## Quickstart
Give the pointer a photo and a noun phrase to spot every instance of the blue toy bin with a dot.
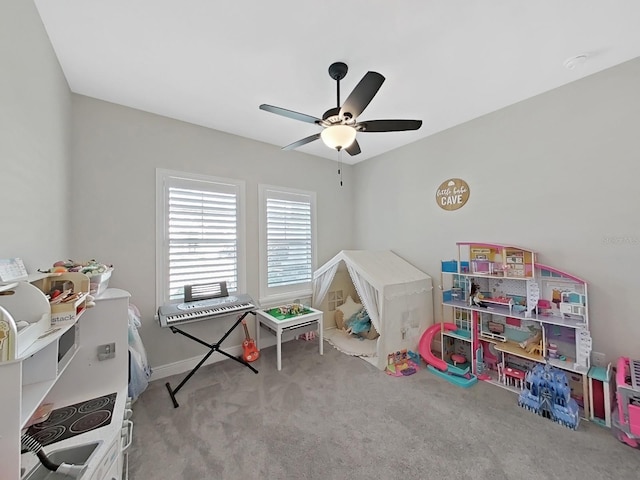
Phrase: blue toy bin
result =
(450, 266)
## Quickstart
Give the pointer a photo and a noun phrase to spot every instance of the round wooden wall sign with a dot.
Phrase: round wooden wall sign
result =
(452, 194)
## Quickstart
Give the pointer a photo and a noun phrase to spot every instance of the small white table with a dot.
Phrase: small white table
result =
(279, 325)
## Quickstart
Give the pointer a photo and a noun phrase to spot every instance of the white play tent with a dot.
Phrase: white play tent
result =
(397, 296)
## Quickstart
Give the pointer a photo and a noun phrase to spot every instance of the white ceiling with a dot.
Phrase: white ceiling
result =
(212, 63)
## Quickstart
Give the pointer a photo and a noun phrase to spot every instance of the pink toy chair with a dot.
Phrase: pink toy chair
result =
(544, 306)
(457, 358)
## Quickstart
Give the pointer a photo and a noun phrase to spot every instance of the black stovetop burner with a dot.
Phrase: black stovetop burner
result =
(74, 419)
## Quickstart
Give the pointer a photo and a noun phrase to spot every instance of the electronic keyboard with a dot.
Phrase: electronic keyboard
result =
(174, 314)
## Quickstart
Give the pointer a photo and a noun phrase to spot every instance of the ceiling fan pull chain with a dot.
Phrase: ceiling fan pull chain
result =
(340, 165)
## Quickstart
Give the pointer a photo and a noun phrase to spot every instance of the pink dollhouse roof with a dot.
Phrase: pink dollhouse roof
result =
(494, 245)
(560, 272)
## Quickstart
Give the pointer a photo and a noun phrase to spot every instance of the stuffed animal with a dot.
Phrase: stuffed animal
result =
(360, 325)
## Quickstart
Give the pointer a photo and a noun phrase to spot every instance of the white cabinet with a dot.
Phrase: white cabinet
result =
(62, 367)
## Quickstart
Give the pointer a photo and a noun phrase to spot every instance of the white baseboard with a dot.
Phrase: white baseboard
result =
(186, 365)
(266, 340)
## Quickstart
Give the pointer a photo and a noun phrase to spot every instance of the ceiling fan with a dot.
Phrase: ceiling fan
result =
(340, 124)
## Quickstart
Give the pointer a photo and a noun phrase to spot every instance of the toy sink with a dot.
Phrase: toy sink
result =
(77, 455)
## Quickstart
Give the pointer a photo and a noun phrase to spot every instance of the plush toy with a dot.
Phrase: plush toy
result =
(360, 325)
(475, 297)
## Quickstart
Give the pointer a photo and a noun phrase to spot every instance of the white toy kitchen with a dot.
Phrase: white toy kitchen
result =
(73, 366)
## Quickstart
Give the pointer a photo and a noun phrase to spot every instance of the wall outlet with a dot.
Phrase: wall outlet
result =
(106, 351)
(598, 359)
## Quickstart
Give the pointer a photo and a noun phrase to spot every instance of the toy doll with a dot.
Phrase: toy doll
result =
(475, 297)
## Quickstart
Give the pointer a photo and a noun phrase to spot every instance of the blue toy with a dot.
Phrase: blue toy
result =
(359, 322)
(548, 394)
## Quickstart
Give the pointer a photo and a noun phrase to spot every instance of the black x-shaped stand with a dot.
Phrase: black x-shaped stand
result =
(213, 347)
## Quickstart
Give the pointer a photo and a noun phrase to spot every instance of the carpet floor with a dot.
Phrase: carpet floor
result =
(335, 417)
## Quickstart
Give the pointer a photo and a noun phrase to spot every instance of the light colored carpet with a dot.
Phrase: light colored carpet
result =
(338, 417)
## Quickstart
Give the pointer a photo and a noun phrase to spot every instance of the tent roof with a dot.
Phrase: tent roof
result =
(379, 267)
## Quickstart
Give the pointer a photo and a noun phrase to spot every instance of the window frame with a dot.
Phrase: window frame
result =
(274, 295)
(171, 178)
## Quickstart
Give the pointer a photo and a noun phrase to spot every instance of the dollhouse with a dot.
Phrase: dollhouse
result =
(513, 314)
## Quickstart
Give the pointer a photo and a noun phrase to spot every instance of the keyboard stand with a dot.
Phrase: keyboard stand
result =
(213, 347)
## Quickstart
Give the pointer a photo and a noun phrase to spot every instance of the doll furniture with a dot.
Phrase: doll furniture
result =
(601, 395)
(279, 323)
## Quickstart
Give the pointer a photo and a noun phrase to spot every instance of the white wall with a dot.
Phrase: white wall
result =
(116, 151)
(34, 141)
(556, 173)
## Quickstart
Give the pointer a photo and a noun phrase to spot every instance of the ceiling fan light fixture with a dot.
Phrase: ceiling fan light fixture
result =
(340, 124)
(338, 136)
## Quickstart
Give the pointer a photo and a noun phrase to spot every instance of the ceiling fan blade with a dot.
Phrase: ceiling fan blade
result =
(304, 141)
(389, 125)
(290, 114)
(353, 149)
(360, 97)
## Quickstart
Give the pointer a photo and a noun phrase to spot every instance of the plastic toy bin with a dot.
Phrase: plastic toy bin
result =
(450, 266)
(99, 282)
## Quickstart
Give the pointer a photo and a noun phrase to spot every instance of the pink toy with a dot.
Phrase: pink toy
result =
(459, 376)
(626, 420)
(425, 345)
(544, 306)
(502, 301)
(457, 358)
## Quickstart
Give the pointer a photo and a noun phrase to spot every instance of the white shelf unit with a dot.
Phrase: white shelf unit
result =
(520, 296)
(47, 370)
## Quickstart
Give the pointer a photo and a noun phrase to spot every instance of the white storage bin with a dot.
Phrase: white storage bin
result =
(99, 282)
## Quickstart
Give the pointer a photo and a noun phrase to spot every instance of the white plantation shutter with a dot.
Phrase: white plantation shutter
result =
(201, 234)
(288, 241)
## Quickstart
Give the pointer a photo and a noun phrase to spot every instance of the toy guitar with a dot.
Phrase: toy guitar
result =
(250, 352)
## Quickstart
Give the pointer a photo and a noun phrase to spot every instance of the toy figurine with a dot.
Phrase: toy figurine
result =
(475, 297)
(534, 342)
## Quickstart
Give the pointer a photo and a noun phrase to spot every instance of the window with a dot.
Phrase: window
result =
(287, 243)
(336, 299)
(200, 233)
